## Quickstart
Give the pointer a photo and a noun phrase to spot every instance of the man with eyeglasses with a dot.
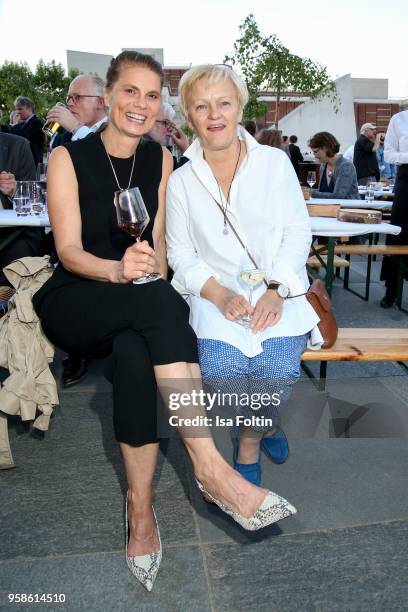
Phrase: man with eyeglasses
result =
(166, 133)
(86, 109)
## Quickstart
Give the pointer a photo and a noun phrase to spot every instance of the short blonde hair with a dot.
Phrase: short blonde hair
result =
(213, 73)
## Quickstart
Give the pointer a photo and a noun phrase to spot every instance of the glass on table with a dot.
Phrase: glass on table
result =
(133, 217)
(369, 194)
(38, 201)
(42, 172)
(21, 198)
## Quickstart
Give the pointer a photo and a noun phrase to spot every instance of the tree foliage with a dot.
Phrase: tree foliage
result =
(266, 64)
(46, 85)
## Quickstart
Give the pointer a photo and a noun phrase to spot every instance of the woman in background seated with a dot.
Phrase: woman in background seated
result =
(338, 178)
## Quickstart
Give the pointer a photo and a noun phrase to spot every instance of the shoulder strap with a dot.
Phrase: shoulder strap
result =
(237, 236)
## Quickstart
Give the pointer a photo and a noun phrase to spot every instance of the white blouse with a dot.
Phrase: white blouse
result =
(396, 139)
(268, 211)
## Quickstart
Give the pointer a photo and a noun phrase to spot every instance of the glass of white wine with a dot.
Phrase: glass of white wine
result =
(252, 278)
(311, 178)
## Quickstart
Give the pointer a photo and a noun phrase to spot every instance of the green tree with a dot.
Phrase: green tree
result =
(15, 79)
(266, 64)
(46, 86)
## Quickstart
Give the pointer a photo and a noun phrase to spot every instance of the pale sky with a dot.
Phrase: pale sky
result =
(367, 38)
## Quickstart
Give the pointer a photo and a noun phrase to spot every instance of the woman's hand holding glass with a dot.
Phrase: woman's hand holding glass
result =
(267, 312)
(137, 260)
(234, 306)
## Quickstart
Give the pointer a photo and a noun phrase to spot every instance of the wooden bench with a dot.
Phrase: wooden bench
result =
(338, 262)
(371, 250)
(361, 344)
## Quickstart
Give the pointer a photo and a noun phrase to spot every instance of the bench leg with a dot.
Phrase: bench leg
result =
(368, 278)
(376, 238)
(346, 274)
(329, 266)
(323, 375)
(366, 295)
(403, 366)
(321, 384)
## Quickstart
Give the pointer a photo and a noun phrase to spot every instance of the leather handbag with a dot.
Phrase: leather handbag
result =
(319, 299)
(316, 295)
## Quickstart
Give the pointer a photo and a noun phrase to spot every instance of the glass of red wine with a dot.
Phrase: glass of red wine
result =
(133, 218)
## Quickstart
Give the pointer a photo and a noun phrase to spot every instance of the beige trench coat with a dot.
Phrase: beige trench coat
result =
(26, 353)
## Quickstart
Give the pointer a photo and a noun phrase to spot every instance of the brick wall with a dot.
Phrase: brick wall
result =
(378, 113)
(172, 77)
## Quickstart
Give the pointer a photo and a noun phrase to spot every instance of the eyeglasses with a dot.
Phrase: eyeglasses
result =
(164, 122)
(77, 98)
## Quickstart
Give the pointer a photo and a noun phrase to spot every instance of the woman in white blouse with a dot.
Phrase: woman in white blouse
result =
(233, 180)
(396, 152)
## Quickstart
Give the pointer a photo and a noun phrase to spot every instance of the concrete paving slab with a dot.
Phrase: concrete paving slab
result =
(360, 569)
(103, 583)
(68, 490)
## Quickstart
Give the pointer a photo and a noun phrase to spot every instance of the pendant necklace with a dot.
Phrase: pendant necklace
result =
(113, 169)
(222, 198)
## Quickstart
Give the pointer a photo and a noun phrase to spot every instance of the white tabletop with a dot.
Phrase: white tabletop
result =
(328, 226)
(321, 226)
(8, 218)
(351, 203)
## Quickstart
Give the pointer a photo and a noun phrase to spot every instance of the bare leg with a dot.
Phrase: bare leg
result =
(249, 442)
(216, 475)
(140, 464)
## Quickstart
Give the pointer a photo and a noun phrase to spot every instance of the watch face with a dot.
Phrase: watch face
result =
(283, 291)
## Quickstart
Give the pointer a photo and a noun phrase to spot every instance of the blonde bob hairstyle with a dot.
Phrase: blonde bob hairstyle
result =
(213, 73)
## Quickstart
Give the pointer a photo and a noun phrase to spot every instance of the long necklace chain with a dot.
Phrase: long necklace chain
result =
(227, 201)
(113, 169)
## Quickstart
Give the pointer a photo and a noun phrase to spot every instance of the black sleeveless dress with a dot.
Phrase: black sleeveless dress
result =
(149, 322)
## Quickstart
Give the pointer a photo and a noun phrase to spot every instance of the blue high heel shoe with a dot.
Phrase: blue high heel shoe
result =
(250, 471)
(276, 446)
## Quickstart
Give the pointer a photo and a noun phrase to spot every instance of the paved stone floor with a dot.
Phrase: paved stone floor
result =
(62, 508)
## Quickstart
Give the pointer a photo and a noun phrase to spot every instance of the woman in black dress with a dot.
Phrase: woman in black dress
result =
(90, 306)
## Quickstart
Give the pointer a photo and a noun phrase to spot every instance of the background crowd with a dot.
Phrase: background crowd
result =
(84, 112)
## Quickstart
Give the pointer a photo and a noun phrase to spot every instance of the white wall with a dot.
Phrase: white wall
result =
(320, 116)
(89, 63)
(375, 89)
(155, 52)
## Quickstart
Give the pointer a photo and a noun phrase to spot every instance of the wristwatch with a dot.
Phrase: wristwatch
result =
(281, 290)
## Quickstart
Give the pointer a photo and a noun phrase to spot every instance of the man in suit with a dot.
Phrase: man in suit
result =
(28, 125)
(16, 164)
